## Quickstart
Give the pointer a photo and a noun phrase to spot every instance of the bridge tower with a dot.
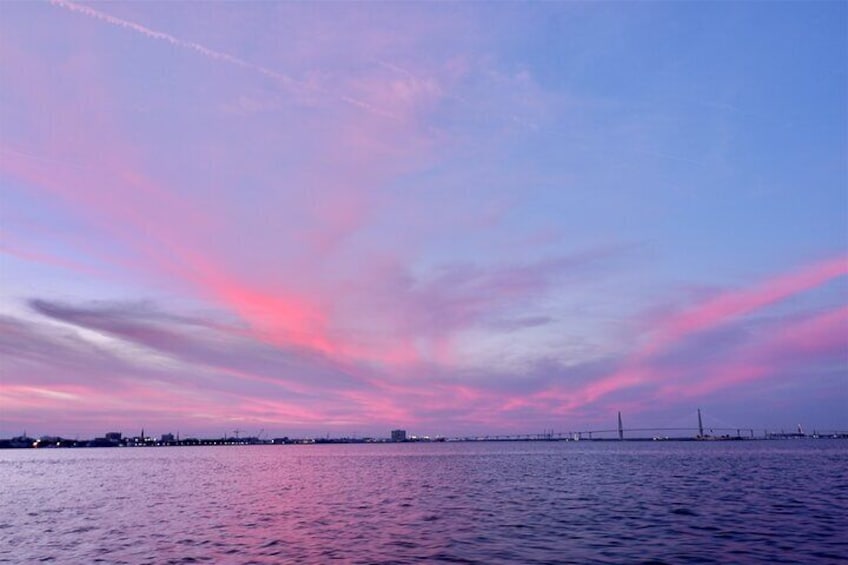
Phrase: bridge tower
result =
(620, 428)
(700, 425)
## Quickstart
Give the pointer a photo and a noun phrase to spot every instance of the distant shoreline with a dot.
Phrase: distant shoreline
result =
(24, 442)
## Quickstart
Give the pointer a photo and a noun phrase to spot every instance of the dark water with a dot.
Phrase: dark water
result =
(733, 502)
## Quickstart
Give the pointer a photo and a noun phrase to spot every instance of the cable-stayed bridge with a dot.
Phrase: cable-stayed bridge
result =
(679, 433)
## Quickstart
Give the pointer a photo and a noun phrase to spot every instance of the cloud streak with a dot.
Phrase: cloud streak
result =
(732, 305)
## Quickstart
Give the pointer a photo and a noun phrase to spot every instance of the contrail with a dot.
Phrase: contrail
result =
(8, 150)
(367, 107)
(153, 34)
(395, 68)
(211, 53)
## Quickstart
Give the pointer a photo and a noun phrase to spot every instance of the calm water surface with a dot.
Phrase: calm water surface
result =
(665, 502)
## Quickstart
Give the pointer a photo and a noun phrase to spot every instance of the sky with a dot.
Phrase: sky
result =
(452, 218)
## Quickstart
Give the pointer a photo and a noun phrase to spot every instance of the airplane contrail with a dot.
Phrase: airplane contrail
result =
(211, 53)
(153, 34)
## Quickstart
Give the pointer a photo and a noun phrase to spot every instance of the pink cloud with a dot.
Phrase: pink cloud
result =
(732, 305)
(642, 369)
(824, 332)
(419, 321)
(10, 244)
(794, 345)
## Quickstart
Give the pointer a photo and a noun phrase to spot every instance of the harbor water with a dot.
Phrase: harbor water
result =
(499, 502)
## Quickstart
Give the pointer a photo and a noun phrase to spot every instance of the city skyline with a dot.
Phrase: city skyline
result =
(454, 217)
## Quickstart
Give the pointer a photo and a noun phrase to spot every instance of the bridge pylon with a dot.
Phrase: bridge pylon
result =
(620, 428)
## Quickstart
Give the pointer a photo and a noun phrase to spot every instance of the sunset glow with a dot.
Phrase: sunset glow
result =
(345, 218)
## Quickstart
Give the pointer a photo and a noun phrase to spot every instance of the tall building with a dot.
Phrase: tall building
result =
(398, 435)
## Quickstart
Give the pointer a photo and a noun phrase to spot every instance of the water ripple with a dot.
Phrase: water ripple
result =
(741, 502)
